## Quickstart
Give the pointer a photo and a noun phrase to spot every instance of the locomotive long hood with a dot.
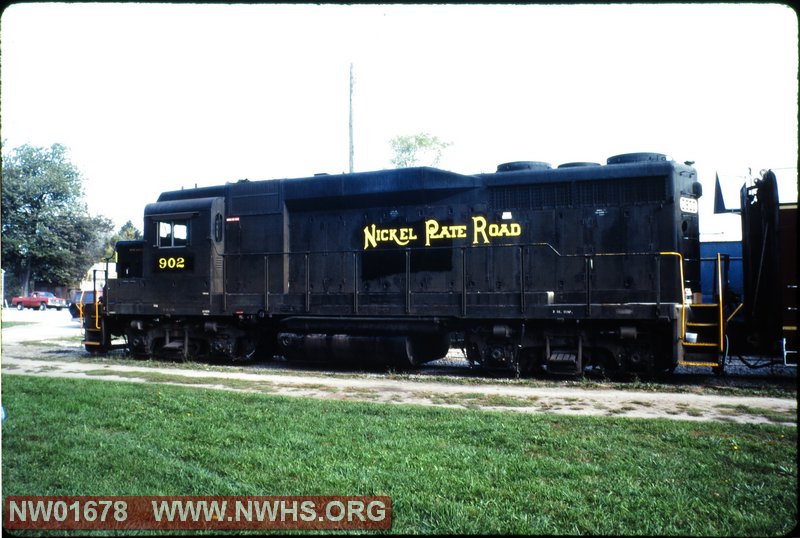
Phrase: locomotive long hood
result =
(392, 186)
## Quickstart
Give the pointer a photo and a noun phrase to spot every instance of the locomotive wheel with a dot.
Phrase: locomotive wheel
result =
(193, 352)
(246, 348)
(139, 345)
(267, 347)
(529, 361)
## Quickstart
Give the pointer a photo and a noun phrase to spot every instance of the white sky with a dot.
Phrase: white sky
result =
(154, 97)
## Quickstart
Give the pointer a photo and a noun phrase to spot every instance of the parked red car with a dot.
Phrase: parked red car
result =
(39, 299)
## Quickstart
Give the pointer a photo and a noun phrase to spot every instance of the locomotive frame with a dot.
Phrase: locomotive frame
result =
(532, 267)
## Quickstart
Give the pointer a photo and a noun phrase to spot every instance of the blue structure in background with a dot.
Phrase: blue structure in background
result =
(708, 255)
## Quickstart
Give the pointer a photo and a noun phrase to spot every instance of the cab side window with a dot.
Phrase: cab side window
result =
(173, 233)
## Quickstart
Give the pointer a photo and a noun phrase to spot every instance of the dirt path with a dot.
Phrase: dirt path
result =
(58, 338)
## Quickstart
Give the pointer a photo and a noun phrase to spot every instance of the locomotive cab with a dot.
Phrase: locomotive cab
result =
(184, 243)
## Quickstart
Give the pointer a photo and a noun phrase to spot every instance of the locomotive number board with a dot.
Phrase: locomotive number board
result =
(173, 263)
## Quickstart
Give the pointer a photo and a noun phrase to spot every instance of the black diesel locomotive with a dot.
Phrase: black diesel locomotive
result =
(531, 267)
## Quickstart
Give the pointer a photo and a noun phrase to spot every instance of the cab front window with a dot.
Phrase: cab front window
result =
(173, 233)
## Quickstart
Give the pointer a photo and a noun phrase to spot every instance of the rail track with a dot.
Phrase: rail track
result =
(737, 373)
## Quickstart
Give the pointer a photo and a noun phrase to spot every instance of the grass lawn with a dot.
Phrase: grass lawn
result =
(446, 470)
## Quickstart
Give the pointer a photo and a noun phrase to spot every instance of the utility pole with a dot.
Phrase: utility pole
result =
(351, 118)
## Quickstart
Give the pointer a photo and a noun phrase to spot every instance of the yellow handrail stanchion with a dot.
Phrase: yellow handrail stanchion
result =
(719, 292)
(683, 295)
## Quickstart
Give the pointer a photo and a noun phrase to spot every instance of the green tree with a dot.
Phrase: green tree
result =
(417, 150)
(128, 232)
(48, 237)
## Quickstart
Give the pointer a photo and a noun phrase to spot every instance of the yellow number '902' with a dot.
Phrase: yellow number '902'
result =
(171, 263)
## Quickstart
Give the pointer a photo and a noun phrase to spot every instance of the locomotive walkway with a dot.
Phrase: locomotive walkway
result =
(48, 344)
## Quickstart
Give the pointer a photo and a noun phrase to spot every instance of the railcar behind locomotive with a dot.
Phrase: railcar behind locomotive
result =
(534, 267)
